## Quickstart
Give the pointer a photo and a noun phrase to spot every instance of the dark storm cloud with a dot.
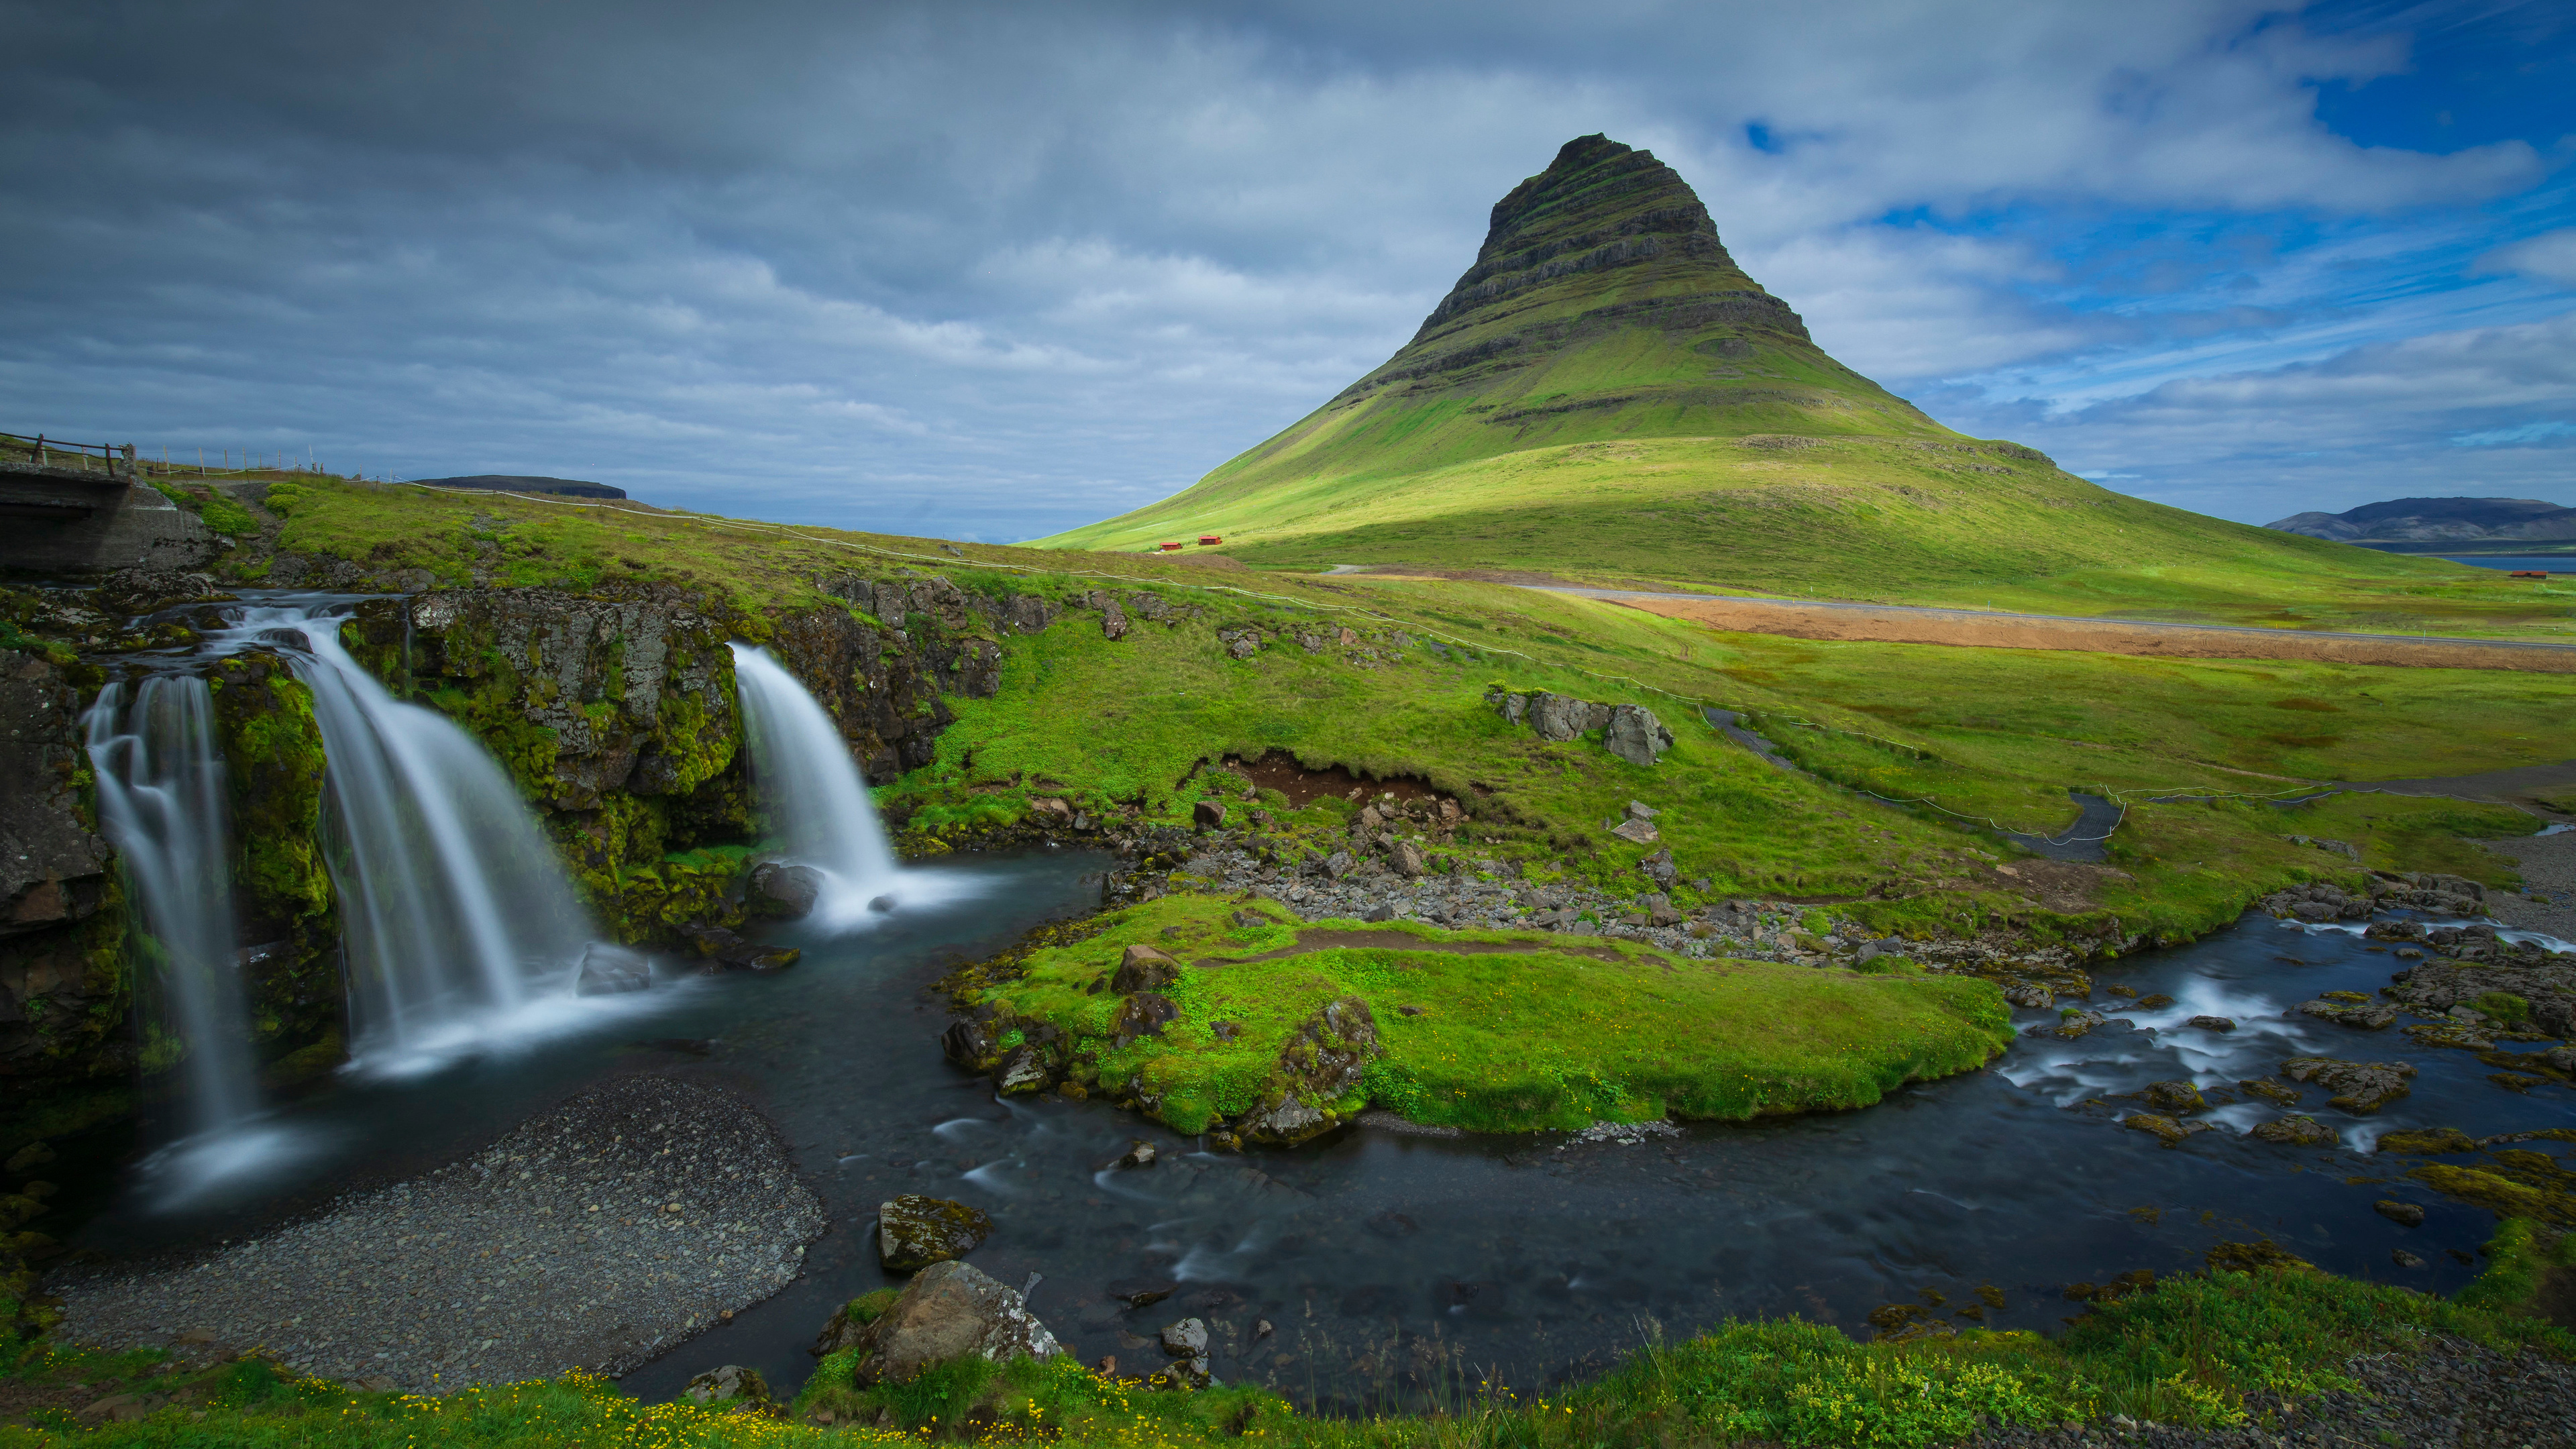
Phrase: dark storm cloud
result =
(997, 270)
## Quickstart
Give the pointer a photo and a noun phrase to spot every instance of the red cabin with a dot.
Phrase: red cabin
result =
(1170, 547)
(1206, 539)
(2516, 574)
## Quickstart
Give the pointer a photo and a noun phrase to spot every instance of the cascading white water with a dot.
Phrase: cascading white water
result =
(453, 910)
(812, 795)
(161, 803)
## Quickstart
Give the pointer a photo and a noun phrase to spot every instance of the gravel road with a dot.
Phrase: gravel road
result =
(2454, 1395)
(595, 1236)
(2548, 866)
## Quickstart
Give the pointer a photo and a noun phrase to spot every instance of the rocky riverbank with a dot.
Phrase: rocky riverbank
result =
(595, 1236)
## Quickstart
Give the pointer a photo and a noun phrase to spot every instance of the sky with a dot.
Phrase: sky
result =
(991, 271)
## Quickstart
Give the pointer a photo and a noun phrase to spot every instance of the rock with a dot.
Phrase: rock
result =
(1142, 1015)
(1240, 643)
(2359, 1087)
(28, 1159)
(2294, 1131)
(1338, 864)
(2405, 1259)
(2427, 1142)
(1186, 1339)
(787, 891)
(881, 904)
(1378, 913)
(1561, 717)
(1051, 809)
(1408, 858)
(1322, 1063)
(607, 970)
(2368, 1017)
(1208, 815)
(2026, 994)
(1143, 968)
(726, 951)
(2404, 1214)
(1139, 1153)
(1640, 810)
(2165, 1129)
(1635, 735)
(2561, 1059)
(914, 1232)
(851, 1320)
(1022, 1069)
(1660, 869)
(2213, 1023)
(1638, 832)
(1250, 919)
(2271, 1091)
(1143, 1293)
(2154, 1001)
(1184, 1373)
(2175, 1096)
(948, 1311)
(114, 1409)
(732, 1384)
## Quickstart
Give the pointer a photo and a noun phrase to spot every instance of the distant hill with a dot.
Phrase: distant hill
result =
(2425, 520)
(525, 483)
(1605, 392)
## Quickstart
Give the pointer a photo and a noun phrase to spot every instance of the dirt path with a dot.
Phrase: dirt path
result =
(1919, 624)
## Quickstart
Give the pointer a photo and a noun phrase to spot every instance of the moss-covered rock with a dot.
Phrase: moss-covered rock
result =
(273, 760)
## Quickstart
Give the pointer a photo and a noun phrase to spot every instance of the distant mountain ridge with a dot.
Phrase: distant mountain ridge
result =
(524, 483)
(2437, 520)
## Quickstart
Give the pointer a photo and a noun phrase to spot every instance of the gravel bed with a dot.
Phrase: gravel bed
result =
(596, 1236)
(2548, 866)
(2453, 1395)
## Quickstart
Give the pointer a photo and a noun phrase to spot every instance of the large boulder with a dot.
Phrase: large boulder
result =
(949, 1311)
(1635, 735)
(1142, 968)
(787, 891)
(2295, 1130)
(916, 1232)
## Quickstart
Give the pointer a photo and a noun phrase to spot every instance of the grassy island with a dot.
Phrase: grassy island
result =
(1492, 1031)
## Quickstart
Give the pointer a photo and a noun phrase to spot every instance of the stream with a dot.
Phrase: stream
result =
(1402, 1269)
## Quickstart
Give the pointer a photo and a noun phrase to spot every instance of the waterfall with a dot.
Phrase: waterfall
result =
(453, 908)
(812, 796)
(161, 804)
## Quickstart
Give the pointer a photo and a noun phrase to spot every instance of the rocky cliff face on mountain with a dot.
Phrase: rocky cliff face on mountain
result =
(1606, 238)
(2438, 520)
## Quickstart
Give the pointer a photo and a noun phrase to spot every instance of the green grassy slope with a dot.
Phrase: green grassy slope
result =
(1606, 394)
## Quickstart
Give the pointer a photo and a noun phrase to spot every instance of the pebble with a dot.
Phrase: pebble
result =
(595, 1236)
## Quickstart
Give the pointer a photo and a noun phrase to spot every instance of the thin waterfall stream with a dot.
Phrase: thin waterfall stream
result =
(815, 801)
(161, 802)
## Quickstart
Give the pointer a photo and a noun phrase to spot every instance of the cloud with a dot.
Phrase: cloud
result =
(2522, 433)
(2547, 258)
(996, 270)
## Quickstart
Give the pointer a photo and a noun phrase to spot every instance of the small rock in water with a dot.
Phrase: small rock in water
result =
(2294, 1131)
(2213, 1023)
(2175, 1096)
(1139, 1153)
(1186, 1339)
(732, 1384)
(2154, 1001)
(1142, 1293)
(608, 970)
(881, 904)
(2404, 1214)
(914, 1231)
(2405, 1259)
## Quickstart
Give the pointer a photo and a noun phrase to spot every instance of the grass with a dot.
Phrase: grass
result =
(1988, 735)
(2204, 1350)
(1546, 1035)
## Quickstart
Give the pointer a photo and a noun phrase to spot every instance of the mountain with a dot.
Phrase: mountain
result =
(1606, 393)
(524, 483)
(2423, 520)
